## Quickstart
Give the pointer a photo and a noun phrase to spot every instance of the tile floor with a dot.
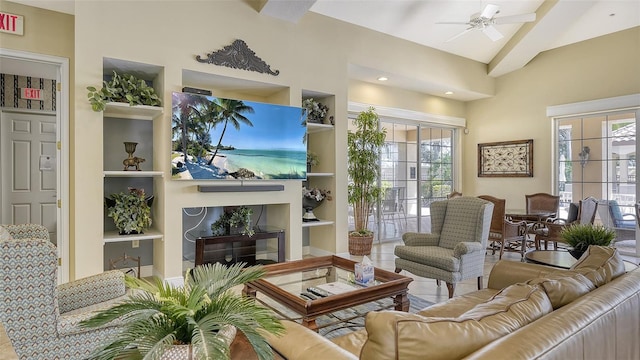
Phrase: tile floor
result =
(382, 257)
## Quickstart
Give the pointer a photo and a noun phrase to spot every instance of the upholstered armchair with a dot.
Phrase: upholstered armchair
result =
(455, 248)
(40, 318)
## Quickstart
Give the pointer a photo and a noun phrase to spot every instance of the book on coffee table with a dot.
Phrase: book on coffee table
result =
(337, 287)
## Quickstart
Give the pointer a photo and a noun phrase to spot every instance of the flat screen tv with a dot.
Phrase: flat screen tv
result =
(227, 139)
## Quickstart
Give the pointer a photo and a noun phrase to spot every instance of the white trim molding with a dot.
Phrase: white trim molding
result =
(388, 112)
(594, 106)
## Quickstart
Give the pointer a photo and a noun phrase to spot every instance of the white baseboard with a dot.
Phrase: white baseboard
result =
(315, 251)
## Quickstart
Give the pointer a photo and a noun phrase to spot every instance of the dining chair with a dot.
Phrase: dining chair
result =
(542, 203)
(552, 230)
(504, 234)
(454, 195)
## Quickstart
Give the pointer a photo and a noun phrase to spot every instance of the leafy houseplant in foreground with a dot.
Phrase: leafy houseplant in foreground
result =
(160, 316)
(363, 149)
(580, 236)
(122, 88)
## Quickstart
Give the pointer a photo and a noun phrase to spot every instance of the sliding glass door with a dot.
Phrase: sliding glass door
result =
(596, 156)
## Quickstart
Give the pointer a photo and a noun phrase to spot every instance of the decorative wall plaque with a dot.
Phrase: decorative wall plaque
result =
(238, 56)
(506, 159)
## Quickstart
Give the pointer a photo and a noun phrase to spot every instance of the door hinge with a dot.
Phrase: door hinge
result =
(59, 86)
(59, 204)
(59, 145)
(59, 261)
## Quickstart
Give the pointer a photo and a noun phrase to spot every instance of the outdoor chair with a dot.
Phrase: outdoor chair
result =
(41, 318)
(612, 216)
(504, 234)
(455, 248)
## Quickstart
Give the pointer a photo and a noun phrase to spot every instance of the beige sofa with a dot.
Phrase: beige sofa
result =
(528, 311)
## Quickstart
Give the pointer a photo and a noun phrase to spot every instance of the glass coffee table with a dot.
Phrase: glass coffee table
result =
(285, 282)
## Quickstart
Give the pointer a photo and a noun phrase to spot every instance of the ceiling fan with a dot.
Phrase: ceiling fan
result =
(486, 20)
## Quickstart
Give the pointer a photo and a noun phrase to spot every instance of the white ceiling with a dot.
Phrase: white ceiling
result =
(558, 23)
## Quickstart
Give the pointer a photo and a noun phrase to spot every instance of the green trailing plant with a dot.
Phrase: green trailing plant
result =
(238, 217)
(312, 158)
(122, 88)
(316, 111)
(363, 149)
(580, 236)
(159, 315)
(130, 210)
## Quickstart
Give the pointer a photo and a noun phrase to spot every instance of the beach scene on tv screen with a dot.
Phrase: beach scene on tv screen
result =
(225, 139)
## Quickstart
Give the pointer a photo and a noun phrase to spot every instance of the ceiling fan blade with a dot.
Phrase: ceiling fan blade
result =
(460, 34)
(489, 11)
(453, 23)
(515, 19)
(492, 33)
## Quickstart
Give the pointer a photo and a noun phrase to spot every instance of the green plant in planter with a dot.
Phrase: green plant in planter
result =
(122, 88)
(316, 111)
(580, 236)
(234, 218)
(159, 316)
(363, 149)
(130, 211)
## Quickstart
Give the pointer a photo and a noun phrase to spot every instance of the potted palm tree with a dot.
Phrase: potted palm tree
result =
(363, 149)
(198, 318)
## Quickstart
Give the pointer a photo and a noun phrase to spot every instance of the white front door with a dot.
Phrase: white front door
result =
(29, 170)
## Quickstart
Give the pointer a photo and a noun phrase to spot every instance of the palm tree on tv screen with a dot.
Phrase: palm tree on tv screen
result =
(231, 112)
(183, 113)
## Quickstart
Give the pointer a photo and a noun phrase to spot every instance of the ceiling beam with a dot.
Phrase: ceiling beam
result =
(289, 10)
(552, 17)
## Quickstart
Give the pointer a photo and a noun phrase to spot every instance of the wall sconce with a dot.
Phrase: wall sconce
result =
(584, 155)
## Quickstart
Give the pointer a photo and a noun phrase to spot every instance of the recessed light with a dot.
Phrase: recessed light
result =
(382, 78)
(449, 93)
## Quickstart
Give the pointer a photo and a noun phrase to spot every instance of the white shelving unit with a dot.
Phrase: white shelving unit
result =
(113, 236)
(316, 223)
(119, 173)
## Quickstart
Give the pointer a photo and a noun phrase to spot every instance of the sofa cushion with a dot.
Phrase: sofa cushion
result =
(399, 335)
(563, 287)
(600, 264)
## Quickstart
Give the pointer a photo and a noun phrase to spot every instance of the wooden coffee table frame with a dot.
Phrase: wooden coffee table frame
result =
(391, 285)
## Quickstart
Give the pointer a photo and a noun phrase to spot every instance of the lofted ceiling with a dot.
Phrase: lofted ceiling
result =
(558, 23)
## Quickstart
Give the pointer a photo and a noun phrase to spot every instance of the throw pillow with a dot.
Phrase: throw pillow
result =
(563, 287)
(4, 234)
(600, 264)
(399, 335)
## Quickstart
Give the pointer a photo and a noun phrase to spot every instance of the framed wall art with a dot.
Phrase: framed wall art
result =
(506, 159)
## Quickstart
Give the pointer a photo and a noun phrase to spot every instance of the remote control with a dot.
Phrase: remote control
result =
(318, 292)
(308, 296)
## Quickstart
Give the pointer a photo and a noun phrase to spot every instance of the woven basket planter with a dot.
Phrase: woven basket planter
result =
(360, 245)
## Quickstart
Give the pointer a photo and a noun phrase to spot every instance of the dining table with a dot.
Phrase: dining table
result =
(534, 220)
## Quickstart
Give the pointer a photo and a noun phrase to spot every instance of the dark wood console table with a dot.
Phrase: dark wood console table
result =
(216, 248)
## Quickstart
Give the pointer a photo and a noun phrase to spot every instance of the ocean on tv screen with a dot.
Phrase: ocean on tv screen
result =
(236, 139)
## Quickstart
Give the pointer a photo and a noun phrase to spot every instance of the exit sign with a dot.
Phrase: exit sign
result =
(11, 23)
(31, 94)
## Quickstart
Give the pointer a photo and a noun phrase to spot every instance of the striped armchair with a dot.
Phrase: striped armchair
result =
(40, 318)
(455, 248)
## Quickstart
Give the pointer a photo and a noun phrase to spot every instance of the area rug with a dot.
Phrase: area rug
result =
(345, 321)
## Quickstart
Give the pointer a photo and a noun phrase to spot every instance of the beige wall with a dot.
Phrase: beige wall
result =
(599, 68)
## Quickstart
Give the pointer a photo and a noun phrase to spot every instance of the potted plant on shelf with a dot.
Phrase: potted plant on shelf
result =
(312, 160)
(363, 149)
(122, 88)
(311, 199)
(131, 211)
(232, 218)
(198, 319)
(316, 111)
(580, 236)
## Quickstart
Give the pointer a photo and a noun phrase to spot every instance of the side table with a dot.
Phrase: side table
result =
(560, 259)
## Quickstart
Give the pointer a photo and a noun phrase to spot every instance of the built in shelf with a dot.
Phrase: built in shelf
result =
(113, 236)
(314, 127)
(126, 111)
(317, 223)
(319, 174)
(120, 173)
